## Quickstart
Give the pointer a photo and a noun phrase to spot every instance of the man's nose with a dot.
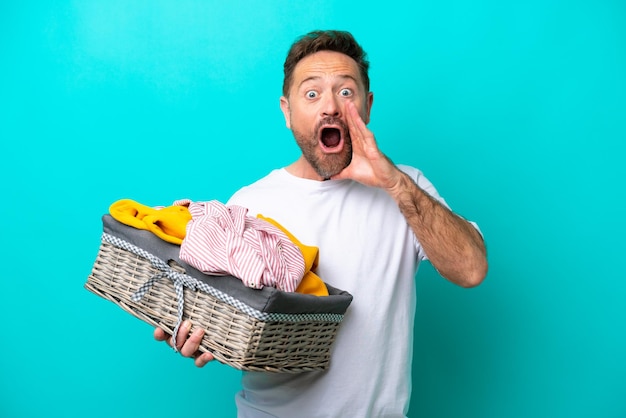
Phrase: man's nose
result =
(331, 107)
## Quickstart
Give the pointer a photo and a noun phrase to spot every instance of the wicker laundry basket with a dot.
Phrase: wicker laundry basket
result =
(249, 329)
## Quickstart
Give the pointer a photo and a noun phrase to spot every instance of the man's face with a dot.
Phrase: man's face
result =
(315, 111)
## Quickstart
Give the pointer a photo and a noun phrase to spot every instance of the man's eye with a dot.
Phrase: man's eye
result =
(311, 94)
(345, 92)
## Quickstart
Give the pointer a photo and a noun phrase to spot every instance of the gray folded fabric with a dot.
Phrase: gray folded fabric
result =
(268, 299)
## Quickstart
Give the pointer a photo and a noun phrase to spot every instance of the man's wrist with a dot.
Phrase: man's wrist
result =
(402, 186)
(411, 199)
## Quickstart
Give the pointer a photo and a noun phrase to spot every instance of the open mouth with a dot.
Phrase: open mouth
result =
(331, 139)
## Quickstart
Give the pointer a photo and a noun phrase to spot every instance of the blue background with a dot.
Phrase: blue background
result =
(515, 111)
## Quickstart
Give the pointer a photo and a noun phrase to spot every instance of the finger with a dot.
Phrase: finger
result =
(189, 348)
(183, 332)
(350, 118)
(355, 123)
(203, 359)
(160, 334)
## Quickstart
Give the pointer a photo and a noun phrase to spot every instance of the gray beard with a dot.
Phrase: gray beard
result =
(327, 165)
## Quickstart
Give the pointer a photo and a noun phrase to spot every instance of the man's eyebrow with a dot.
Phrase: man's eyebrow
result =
(317, 77)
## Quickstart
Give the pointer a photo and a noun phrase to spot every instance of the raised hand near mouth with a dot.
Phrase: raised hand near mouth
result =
(369, 165)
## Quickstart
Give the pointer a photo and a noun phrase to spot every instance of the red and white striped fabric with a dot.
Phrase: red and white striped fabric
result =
(222, 240)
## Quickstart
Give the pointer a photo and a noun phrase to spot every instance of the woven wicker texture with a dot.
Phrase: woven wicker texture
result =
(232, 336)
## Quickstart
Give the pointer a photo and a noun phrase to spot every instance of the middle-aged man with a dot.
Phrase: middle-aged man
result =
(373, 222)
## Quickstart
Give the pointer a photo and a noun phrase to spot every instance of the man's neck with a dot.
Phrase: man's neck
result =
(301, 168)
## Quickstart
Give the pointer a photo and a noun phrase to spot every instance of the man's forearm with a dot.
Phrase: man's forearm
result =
(453, 246)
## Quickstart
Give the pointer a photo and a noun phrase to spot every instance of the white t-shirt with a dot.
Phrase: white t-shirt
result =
(366, 248)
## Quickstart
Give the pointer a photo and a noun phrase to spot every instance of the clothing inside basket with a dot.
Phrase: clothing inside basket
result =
(173, 224)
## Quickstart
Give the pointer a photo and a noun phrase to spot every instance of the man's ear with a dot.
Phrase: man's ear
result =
(284, 106)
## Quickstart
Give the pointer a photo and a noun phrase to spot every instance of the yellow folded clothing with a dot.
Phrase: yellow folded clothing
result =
(311, 283)
(168, 223)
